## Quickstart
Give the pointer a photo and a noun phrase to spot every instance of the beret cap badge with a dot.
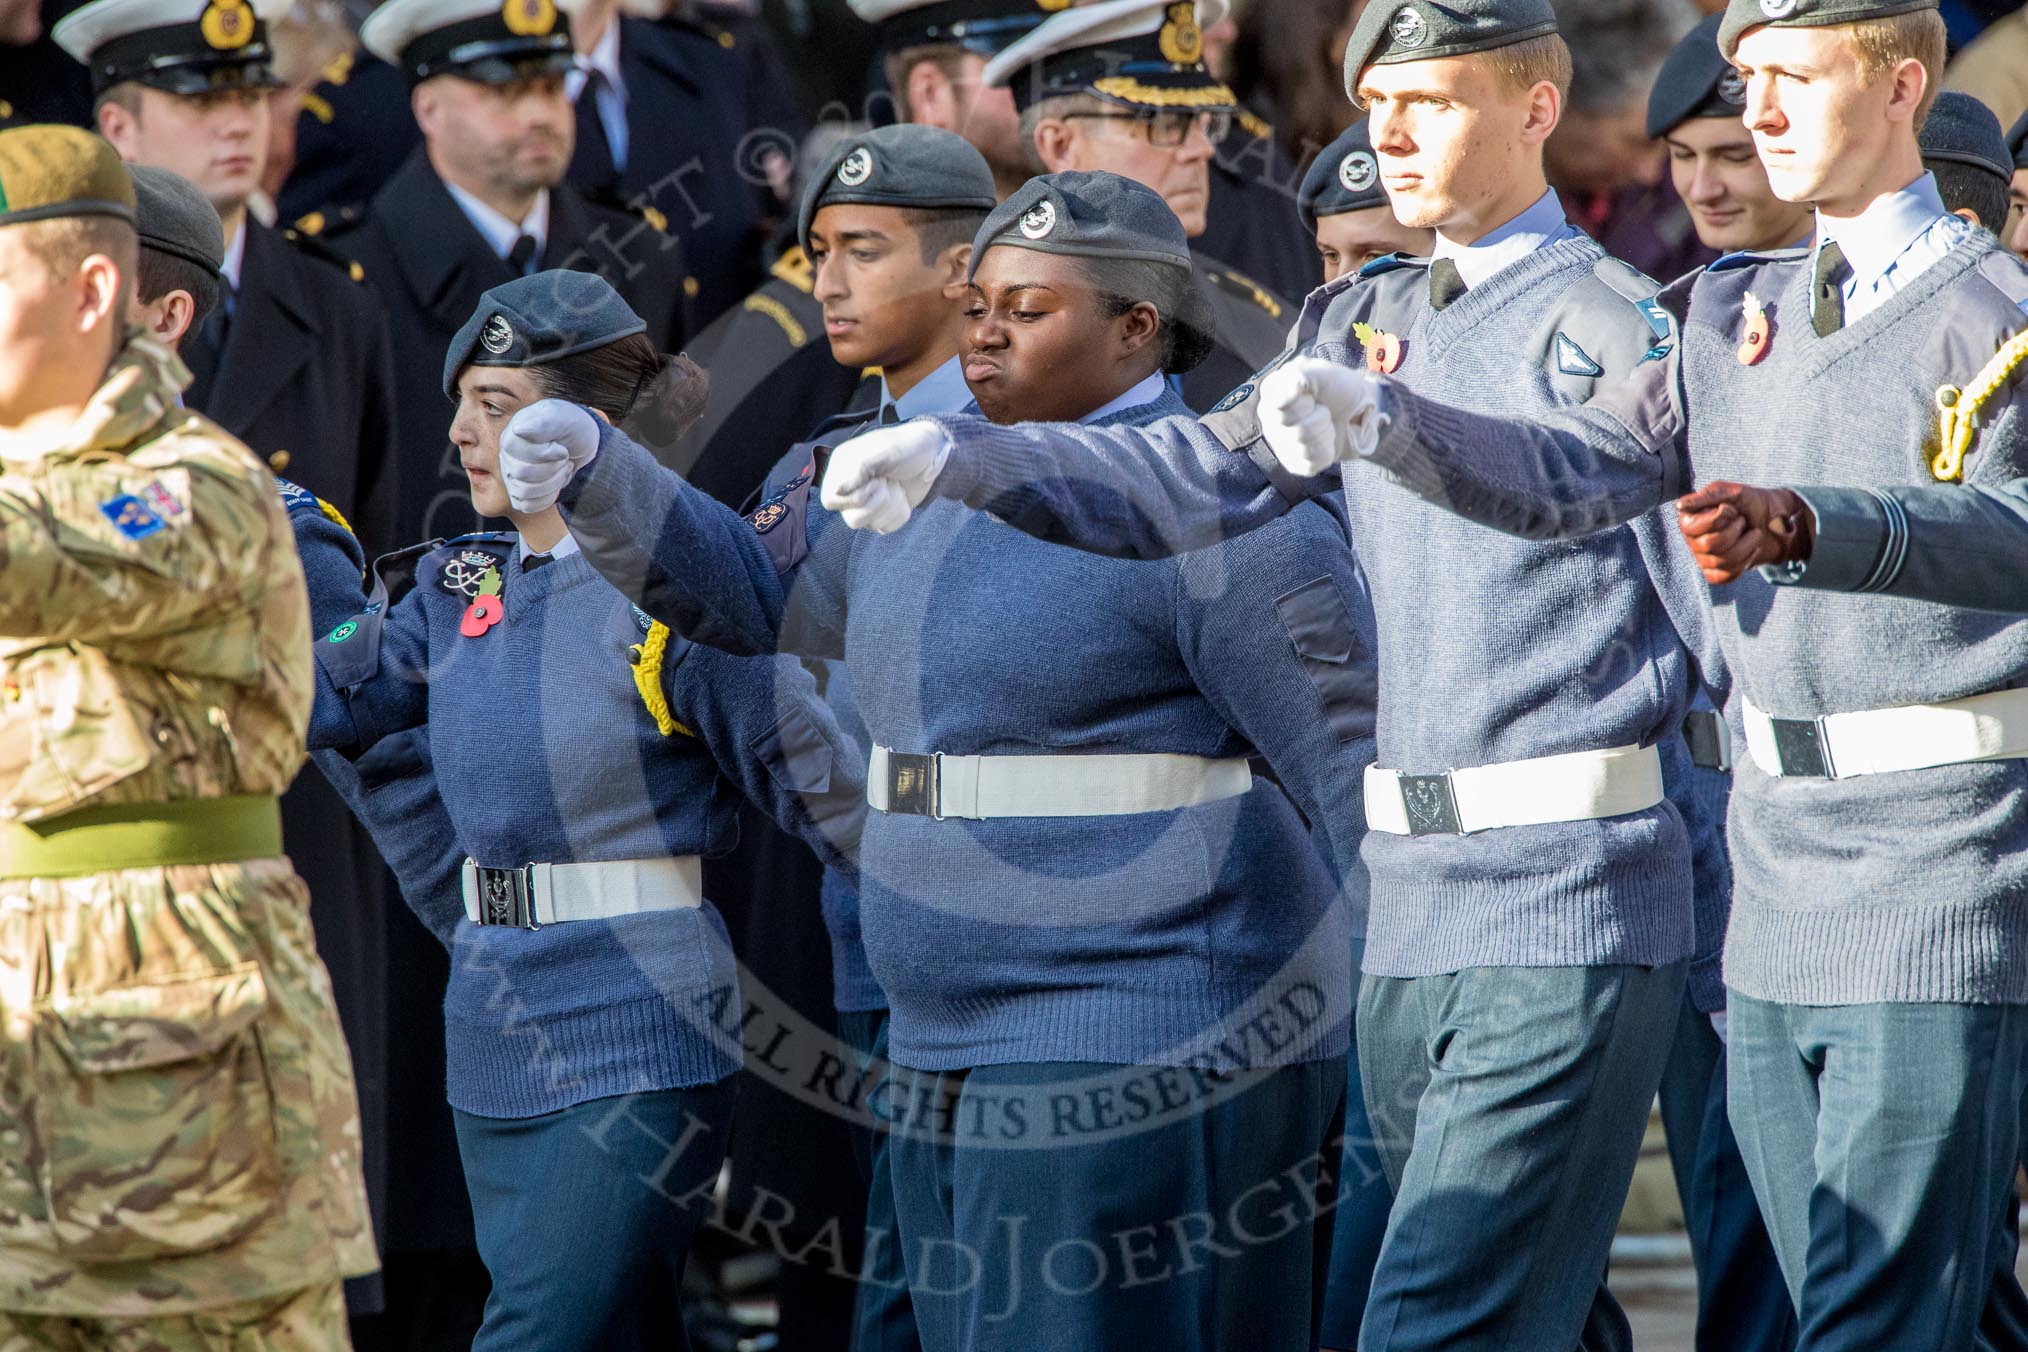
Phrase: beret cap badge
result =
(1357, 171)
(529, 18)
(1181, 40)
(1039, 220)
(1732, 87)
(227, 24)
(856, 168)
(1409, 30)
(1778, 9)
(497, 336)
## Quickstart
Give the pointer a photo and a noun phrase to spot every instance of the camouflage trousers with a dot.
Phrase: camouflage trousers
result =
(310, 1320)
(178, 1131)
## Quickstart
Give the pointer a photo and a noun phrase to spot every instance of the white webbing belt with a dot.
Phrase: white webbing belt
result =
(546, 894)
(1992, 726)
(1068, 785)
(1578, 786)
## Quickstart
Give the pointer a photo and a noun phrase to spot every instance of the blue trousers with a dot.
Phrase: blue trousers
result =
(1508, 1104)
(882, 1319)
(1742, 1301)
(584, 1217)
(1881, 1140)
(1362, 1202)
(1072, 1207)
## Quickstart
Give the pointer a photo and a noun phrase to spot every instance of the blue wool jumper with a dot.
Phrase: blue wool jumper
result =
(1910, 886)
(1490, 649)
(543, 750)
(1137, 939)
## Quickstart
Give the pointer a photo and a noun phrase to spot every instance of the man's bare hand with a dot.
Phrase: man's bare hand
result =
(1733, 527)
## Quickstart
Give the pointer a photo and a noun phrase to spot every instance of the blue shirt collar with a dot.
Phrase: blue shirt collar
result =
(1541, 224)
(1878, 236)
(1145, 391)
(941, 391)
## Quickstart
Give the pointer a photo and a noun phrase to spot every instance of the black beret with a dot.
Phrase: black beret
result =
(164, 45)
(1741, 15)
(1695, 81)
(2017, 142)
(906, 165)
(538, 319)
(1420, 30)
(1086, 215)
(172, 217)
(1344, 177)
(1963, 130)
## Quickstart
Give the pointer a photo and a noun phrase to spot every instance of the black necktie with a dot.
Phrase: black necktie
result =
(1827, 290)
(595, 171)
(889, 415)
(521, 254)
(1445, 283)
(531, 562)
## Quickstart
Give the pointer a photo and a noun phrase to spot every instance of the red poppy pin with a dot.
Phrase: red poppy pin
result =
(1383, 350)
(1753, 344)
(486, 610)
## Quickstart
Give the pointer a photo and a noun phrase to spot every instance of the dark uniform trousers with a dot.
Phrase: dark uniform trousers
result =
(431, 265)
(302, 372)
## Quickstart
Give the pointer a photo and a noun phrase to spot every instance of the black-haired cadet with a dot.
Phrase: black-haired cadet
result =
(1346, 208)
(586, 759)
(177, 280)
(1074, 893)
(2016, 237)
(1121, 87)
(1965, 150)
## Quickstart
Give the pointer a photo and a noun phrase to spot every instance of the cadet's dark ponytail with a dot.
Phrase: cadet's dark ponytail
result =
(1189, 328)
(651, 397)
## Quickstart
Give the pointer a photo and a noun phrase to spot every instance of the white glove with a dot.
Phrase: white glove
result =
(541, 447)
(1316, 413)
(878, 478)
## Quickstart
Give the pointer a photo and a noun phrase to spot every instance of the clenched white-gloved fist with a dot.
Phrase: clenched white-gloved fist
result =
(541, 447)
(1316, 413)
(877, 479)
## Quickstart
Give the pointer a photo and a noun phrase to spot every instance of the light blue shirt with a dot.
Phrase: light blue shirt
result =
(1146, 391)
(610, 89)
(1891, 243)
(941, 391)
(562, 549)
(500, 232)
(1538, 227)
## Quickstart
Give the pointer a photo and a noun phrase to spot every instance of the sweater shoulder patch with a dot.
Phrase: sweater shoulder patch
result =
(458, 568)
(2008, 274)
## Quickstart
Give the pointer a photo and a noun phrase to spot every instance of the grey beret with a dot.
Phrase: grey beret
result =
(1695, 81)
(900, 166)
(1420, 30)
(1344, 177)
(1741, 15)
(1086, 215)
(2017, 142)
(538, 319)
(1964, 131)
(171, 216)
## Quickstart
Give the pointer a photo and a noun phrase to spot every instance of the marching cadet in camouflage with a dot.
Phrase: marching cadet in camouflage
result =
(178, 1135)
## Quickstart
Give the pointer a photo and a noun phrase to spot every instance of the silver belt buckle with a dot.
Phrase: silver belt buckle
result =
(507, 896)
(1801, 749)
(1431, 805)
(915, 783)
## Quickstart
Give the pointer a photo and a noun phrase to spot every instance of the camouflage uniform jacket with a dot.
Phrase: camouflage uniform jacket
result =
(178, 1129)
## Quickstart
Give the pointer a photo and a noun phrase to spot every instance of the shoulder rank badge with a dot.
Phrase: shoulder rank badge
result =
(131, 516)
(464, 575)
(769, 516)
(1383, 350)
(486, 609)
(1753, 342)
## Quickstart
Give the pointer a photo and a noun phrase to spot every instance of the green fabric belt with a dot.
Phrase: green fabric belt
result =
(142, 835)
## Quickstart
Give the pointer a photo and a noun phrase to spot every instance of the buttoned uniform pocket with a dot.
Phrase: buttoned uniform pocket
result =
(67, 731)
(1319, 625)
(153, 1126)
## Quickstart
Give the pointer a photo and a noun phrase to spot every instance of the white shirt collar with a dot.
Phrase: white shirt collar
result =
(941, 391)
(1878, 236)
(604, 57)
(500, 233)
(1145, 391)
(562, 549)
(235, 255)
(1541, 224)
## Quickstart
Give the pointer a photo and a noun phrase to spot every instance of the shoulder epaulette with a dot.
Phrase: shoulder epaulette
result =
(320, 249)
(1253, 125)
(1625, 279)
(794, 268)
(2007, 272)
(1244, 287)
(459, 567)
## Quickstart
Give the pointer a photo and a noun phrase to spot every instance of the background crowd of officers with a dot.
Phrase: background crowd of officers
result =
(366, 209)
